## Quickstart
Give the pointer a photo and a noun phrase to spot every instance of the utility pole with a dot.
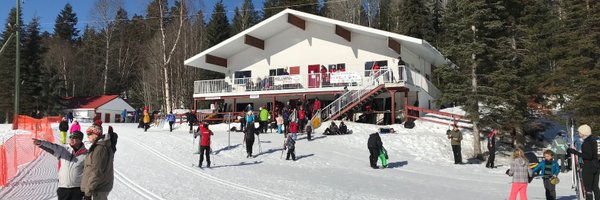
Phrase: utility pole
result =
(17, 65)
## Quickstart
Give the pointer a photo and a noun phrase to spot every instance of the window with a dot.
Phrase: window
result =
(277, 72)
(369, 66)
(240, 77)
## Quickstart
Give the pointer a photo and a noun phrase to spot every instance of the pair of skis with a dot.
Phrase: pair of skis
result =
(577, 183)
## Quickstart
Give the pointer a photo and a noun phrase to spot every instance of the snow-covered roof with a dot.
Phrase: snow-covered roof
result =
(279, 22)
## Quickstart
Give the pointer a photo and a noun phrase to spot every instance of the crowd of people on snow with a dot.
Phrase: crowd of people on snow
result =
(83, 173)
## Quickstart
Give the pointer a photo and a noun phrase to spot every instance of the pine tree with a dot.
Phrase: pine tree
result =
(385, 15)
(7, 65)
(436, 14)
(272, 7)
(31, 64)
(415, 19)
(65, 24)
(244, 18)
(218, 27)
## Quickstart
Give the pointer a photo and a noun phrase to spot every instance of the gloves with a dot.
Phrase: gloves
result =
(572, 151)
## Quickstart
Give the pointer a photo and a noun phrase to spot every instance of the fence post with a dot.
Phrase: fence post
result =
(3, 167)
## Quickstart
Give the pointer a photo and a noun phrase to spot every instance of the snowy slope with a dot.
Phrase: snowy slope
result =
(158, 165)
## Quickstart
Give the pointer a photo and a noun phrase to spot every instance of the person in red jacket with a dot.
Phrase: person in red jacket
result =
(205, 135)
(317, 106)
(301, 118)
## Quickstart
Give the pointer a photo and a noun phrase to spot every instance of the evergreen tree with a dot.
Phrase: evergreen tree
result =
(31, 64)
(414, 19)
(272, 7)
(65, 24)
(436, 14)
(244, 18)
(7, 65)
(218, 26)
(385, 15)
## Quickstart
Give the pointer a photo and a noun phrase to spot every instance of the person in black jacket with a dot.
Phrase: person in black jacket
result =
(63, 127)
(491, 149)
(374, 145)
(591, 165)
(249, 138)
(192, 119)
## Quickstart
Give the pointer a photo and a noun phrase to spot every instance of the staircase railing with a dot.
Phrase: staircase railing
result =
(380, 77)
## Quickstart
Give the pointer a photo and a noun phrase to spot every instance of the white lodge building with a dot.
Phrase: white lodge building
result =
(295, 56)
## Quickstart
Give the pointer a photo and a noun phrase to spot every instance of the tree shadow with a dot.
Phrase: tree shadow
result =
(474, 161)
(270, 151)
(304, 156)
(397, 164)
(226, 149)
(238, 165)
(313, 138)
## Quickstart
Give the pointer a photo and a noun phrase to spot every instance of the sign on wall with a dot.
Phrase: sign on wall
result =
(345, 77)
(287, 79)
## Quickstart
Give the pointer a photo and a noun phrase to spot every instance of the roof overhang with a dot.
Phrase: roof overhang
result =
(258, 34)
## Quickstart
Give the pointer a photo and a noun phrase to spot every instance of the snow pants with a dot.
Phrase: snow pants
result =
(171, 126)
(63, 137)
(249, 144)
(457, 154)
(550, 189)
(374, 155)
(521, 189)
(146, 126)
(69, 193)
(291, 152)
(204, 151)
(491, 157)
(590, 182)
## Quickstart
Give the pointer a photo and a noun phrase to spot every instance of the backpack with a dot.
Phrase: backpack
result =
(409, 124)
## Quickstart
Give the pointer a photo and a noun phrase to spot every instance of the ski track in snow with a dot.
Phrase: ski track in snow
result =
(209, 177)
(135, 187)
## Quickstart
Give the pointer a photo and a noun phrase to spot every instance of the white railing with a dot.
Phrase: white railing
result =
(211, 86)
(417, 79)
(377, 78)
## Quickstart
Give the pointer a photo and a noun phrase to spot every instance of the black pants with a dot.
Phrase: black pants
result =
(191, 127)
(146, 126)
(550, 189)
(265, 126)
(590, 182)
(374, 155)
(330, 132)
(457, 154)
(69, 193)
(301, 125)
(287, 127)
(491, 157)
(171, 126)
(204, 151)
(308, 133)
(291, 152)
(249, 144)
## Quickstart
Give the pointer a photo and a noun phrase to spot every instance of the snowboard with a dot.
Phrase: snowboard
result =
(383, 156)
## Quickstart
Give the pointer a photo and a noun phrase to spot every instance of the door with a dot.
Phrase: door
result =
(107, 118)
(314, 76)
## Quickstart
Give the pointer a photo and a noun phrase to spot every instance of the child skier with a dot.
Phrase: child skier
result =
(549, 170)
(290, 145)
(279, 120)
(520, 171)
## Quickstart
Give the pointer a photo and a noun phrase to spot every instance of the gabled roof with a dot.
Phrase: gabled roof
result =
(89, 102)
(279, 22)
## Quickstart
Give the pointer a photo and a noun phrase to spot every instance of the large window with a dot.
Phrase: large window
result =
(277, 72)
(371, 64)
(241, 77)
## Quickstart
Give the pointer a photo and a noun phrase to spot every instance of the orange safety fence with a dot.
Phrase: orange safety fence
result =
(19, 150)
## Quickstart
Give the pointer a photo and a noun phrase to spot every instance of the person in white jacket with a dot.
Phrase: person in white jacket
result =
(70, 164)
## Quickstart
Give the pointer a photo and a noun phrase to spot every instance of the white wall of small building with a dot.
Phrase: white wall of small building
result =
(114, 108)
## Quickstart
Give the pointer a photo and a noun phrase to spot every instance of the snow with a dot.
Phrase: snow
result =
(158, 165)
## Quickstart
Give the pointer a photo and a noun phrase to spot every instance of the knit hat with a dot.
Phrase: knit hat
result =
(94, 129)
(585, 130)
(77, 134)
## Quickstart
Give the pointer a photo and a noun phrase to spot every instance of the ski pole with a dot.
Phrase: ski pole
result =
(259, 147)
(282, 149)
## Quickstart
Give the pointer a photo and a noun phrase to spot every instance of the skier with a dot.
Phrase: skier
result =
(491, 149)
(559, 146)
(301, 118)
(63, 127)
(549, 170)
(113, 139)
(455, 137)
(192, 119)
(124, 115)
(249, 134)
(589, 154)
(520, 171)
(75, 126)
(308, 130)
(286, 120)
(146, 120)
(264, 120)
(290, 145)
(205, 149)
(171, 120)
(70, 160)
(375, 145)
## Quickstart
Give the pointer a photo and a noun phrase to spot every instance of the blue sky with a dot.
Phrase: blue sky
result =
(47, 10)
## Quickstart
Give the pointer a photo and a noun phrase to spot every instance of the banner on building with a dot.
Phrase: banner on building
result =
(287, 79)
(345, 77)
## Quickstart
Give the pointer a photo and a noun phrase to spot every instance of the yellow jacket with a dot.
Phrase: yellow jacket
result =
(146, 117)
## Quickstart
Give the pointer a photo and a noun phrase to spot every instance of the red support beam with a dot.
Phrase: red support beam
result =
(394, 45)
(273, 108)
(405, 105)
(344, 33)
(255, 42)
(234, 105)
(297, 21)
(215, 60)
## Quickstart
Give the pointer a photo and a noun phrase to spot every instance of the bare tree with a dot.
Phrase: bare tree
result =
(104, 11)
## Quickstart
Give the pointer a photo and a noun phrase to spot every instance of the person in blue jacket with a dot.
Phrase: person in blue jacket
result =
(548, 169)
(171, 120)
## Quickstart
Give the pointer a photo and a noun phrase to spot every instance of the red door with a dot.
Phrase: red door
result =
(107, 118)
(314, 76)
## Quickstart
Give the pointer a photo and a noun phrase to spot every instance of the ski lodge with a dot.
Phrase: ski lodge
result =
(107, 107)
(297, 57)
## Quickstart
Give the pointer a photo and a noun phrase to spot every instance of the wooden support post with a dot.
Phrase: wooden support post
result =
(273, 107)
(234, 104)
(393, 94)
(405, 105)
